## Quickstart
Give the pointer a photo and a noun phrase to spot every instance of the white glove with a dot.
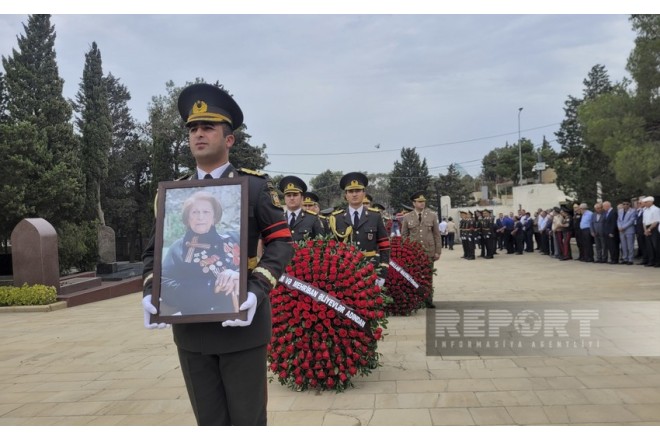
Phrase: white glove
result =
(380, 281)
(251, 305)
(150, 309)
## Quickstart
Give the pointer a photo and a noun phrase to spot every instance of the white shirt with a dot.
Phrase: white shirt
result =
(651, 215)
(215, 173)
(352, 210)
(443, 227)
(288, 214)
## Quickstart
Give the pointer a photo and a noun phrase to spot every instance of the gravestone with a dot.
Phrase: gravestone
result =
(107, 246)
(34, 253)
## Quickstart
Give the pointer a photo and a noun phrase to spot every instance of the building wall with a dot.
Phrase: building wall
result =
(529, 197)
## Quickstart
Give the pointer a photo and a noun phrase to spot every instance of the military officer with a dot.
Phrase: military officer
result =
(487, 234)
(422, 225)
(361, 226)
(224, 364)
(462, 232)
(310, 202)
(302, 223)
(368, 200)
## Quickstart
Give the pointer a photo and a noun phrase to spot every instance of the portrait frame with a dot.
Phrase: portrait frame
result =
(195, 264)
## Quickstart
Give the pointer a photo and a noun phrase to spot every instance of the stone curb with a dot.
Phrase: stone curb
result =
(34, 308)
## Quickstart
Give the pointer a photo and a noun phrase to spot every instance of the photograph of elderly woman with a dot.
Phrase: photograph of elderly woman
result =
(200, 272)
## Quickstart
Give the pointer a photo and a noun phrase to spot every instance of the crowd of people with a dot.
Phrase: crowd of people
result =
(604, 234)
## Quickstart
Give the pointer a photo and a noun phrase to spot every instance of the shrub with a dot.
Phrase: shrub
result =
(78, 247)
(27, 295)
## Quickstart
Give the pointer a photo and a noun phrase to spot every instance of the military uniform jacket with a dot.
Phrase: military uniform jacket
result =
(426, 232)
(370, 236)
(487, 227)
(265, 221)
(307, 225)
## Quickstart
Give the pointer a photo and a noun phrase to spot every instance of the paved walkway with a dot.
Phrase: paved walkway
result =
(95, 364)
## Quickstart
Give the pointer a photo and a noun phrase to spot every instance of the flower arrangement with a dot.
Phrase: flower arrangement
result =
(315, 345)
(410, 257)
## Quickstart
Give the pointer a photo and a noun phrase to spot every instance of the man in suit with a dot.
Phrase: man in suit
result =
(611, 232)
(626, 226)
(597, 221)
(499, 231)
(639, 230)
(224, 364)
(361, 226)
(303, 223)
(651, 220)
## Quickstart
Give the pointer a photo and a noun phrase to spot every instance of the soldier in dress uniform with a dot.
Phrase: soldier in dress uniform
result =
(224, 364)
(488, 234)
(324, 216)
(462, 232)
(422, 225)
(368, 200)
(471, 228)
(304, 224)
(361, 226)
(310, 202)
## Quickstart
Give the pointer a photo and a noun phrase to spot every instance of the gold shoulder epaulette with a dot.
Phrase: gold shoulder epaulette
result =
(247, 171)
(341, 210)
(310, 212)
(376, 210)
(185, 177)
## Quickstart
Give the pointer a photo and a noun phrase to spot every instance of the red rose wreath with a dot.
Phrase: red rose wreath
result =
(314, 345)
(414, 267)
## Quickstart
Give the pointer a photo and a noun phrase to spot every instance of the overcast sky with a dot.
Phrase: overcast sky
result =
(322, 91)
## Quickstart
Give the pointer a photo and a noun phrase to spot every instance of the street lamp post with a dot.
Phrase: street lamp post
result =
(520, 176)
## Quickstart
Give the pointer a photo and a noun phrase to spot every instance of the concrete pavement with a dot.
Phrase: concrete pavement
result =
(95, 364)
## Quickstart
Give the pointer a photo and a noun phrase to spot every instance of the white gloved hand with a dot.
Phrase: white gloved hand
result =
(150, 309)
(251, 305)
(380, 281)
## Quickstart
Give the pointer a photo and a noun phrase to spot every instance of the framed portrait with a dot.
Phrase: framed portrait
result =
(200, 256)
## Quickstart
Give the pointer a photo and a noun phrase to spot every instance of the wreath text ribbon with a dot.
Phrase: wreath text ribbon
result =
(323, 297)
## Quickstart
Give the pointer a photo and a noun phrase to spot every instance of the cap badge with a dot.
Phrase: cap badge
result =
(200, 107)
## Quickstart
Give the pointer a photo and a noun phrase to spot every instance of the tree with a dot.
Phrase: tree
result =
(125, 197)
(245, 155)
(326, 186)
(3, 100)
(503, 163)
(49, 149)
(378, 188)
(95, 125)
(408, 176)
(581, 165)
(644, 66)
(452, 184)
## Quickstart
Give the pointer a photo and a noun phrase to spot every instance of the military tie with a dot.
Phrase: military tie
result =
(419, 216)
(208, 176)
(356, 218)
(293, 220)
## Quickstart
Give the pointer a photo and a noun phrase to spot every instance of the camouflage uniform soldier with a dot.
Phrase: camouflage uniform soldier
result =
(421, 225)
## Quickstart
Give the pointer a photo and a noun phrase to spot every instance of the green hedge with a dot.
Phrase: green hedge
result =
(27, 295)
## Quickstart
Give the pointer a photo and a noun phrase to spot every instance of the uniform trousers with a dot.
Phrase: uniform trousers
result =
(227, 389)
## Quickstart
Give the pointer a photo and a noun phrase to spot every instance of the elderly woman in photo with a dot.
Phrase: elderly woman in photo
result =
(200, 272)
